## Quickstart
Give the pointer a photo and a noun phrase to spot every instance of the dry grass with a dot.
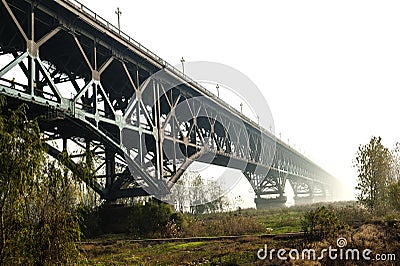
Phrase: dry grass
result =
(225, 224)
(380, 234)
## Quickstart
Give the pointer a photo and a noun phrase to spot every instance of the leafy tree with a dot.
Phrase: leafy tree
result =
(38, 222)
(395, 169)
(394, 195)
(373, 162)
(394, 187)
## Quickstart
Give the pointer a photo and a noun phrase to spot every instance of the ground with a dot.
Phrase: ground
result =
(206, 247)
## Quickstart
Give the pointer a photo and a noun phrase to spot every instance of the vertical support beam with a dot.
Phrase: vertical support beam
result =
(294, 187)
(159, 132)
(33, 75)
(212, 135)
(36, 80)
(110, 168)
(32, 23)
(138, 99)
(137, 77)
(311, 188)
(282, 183)
(94, 55)
(87, 151)
(174, 132)
(64, 145)
(94, 98)
(31, 78)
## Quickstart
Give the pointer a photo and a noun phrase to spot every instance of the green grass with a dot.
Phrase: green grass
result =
(171, 246)
(188, 245)
(285, 221)
(224, 252)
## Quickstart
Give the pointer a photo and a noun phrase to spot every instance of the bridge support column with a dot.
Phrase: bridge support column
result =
(110, 169)
(266, 203)
(303, 200)
(309, 193)
(320, 198)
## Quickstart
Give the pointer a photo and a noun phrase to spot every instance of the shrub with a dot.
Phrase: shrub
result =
(89, 221)
(155, 219)
(320, 223)
(353, 215)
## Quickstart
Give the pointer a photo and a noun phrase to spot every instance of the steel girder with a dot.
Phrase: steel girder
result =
(94, 86)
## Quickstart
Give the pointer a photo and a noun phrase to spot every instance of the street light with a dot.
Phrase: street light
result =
(183, 66)
(217, 87)
(241, 107)
(119, 13)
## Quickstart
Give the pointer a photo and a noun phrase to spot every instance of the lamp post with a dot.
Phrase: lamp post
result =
(217, 87)
(183, 65)
(241, 107)
(118, 12)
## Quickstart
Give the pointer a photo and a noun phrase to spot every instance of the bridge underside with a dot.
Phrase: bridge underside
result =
(95, 92)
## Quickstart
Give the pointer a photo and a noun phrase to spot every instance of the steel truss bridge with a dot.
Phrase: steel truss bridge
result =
(89, 82)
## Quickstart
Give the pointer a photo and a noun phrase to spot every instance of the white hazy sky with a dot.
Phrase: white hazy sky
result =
(330, 70)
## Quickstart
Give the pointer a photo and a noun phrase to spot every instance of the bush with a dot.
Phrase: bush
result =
(320, 223)
(89, 221)
(155, 219)
(354, 216)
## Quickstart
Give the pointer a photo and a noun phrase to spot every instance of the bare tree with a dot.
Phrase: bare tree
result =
(195, 195)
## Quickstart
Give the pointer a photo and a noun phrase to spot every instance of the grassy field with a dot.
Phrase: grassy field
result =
(242, 251)
(125, 250)
(281, 220)
(257, 226)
